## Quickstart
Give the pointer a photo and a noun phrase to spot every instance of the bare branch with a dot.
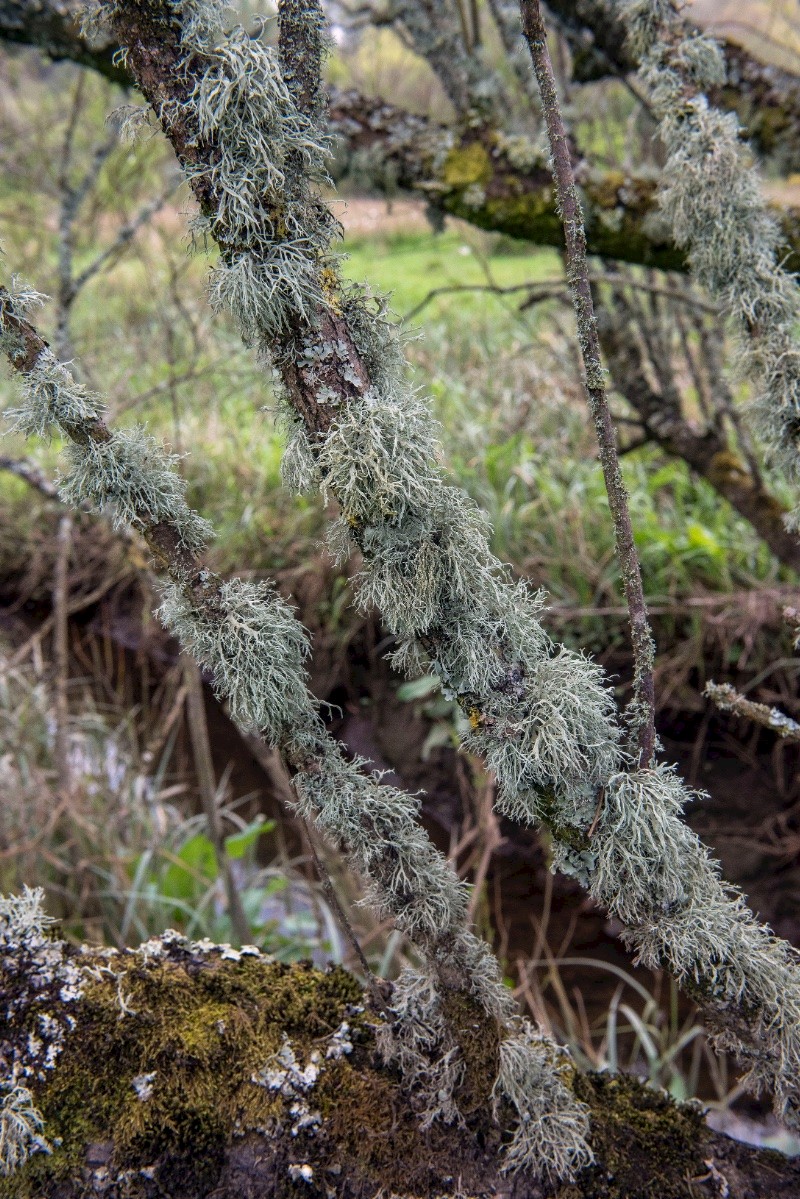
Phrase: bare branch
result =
(728, 699)
(643, 714)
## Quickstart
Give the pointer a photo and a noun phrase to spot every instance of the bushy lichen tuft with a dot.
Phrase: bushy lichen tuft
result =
(408, 879)
(713, 200)
(51, 399)
(653, 873)
(644, 852)
(268, 157)
(254, 647)
(21, 1128)
(552, 1127)
(132, 475)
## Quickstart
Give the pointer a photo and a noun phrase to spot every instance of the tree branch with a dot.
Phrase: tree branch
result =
(728, 699)
(643, 712)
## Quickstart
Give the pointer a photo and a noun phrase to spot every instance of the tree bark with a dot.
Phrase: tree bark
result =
(186, 1070)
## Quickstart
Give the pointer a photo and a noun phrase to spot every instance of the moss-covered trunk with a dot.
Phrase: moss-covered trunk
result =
(185, 1069)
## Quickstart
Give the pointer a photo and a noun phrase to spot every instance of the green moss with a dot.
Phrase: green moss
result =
(531, 216)
(478, 1038)
(198, 1030)
(466, 166)
(649, 1147)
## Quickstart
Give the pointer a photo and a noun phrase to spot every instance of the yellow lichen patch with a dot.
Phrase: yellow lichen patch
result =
(475, 717)
(329, 281)
(605, 192)
(466, 165)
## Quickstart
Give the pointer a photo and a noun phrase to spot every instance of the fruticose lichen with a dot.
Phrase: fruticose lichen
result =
(712, 197)
(21, 1127)
(541, 715)
(250, 641)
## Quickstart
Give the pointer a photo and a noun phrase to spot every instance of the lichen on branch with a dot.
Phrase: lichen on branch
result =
(542, 716)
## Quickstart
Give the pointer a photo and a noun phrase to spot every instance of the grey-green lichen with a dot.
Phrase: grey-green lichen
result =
(52, 399)
(542, 716)
(251, 642)
(21, 1127)
(270, 156)
(660, 881)
(712, 197)
(132, 475)
(247, 636)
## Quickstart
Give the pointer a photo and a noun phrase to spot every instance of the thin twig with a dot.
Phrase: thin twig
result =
(728, 699)
(551, 288)
(373, 983)
(61, 653)
(201, 748)
(30, 473)
(578, 274)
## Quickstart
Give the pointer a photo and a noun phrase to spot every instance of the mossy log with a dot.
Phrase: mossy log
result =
(503, 185)
(184, 1069)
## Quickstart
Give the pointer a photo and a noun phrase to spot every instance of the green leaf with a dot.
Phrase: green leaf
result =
(237, 845)
(195, 869)
(418, 688)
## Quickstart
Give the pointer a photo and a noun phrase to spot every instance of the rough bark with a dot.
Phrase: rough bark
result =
(186, 1070)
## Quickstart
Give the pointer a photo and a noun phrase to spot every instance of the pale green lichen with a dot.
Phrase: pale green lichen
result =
(268, 157)
(135, 478)
(552, 1126)
(713, 200)
(655, 875)
(408, 879)
(52, 399)
(249, 639)
(543, 716)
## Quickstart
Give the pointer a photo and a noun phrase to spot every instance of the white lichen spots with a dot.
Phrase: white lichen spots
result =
(340, 1044)
(143, 1085)
(21, 1128)
(285, 1074)
(473, 196)
(43, 973)
(303, 1119)
(302, 1173)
